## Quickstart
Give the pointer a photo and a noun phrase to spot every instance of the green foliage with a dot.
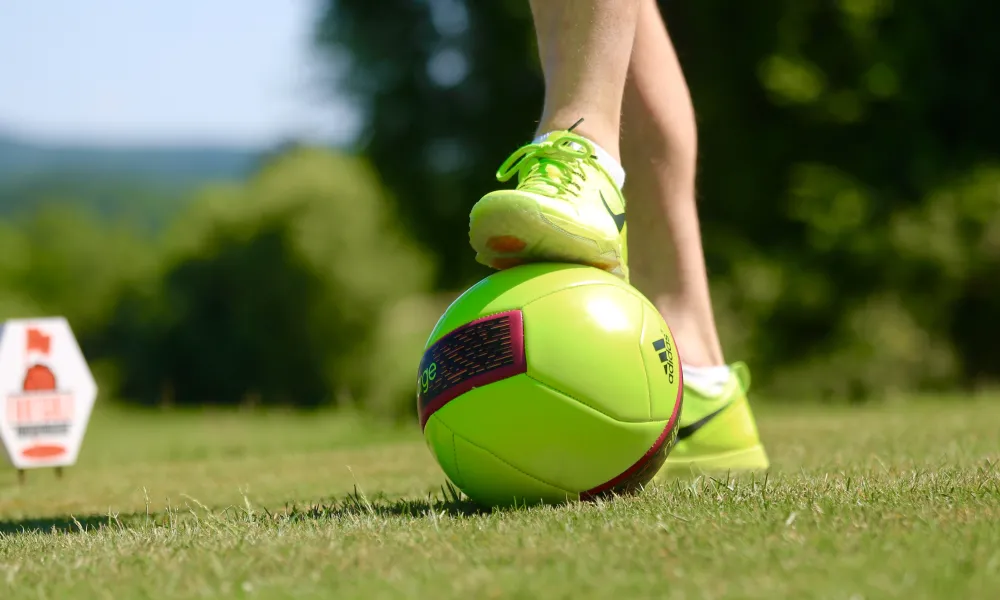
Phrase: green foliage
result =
(273, 291)
(436, 130)
(77, 265)
(848, 167)
(269, 290)
(245, 317)
(67, 262)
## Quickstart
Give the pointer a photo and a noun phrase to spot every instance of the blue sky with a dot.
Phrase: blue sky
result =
(115, 72)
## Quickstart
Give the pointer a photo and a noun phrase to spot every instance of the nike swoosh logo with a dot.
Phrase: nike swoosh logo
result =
(689, 430)
(618, 219)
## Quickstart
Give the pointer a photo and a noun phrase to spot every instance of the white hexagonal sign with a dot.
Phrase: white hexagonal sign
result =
(47, 391)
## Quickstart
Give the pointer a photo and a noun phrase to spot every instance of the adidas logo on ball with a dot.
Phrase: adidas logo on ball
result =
(666, 353)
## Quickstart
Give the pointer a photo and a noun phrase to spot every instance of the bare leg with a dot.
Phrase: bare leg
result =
(585, 46)
(659, 151)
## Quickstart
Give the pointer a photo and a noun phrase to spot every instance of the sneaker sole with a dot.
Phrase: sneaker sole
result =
(753, 459)
(509, 231)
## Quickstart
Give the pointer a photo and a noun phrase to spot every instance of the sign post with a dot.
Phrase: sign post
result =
(47, 391)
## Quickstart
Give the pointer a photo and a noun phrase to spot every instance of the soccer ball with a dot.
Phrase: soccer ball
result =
(549, 382)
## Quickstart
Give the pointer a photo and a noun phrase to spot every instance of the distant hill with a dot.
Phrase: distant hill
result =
(143, 184)
(182, 164)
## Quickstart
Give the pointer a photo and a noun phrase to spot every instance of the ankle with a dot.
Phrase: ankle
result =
(710, 380)
(587, 123)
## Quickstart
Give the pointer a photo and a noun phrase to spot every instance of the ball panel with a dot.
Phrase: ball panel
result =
(547, 434)
(642, 472)
(512, 289)
(584, 342)
(475, 354)
(662, 365)
(441, 442)
(491, 481)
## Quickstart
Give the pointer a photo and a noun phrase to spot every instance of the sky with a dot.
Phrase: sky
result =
(122, 72)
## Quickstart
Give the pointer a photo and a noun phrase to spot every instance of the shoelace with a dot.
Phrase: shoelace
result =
(553, 163)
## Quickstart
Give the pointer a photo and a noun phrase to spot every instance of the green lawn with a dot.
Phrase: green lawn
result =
(879, 502)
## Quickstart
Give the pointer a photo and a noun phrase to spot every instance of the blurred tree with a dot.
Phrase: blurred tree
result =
(455, 91)
(76, 265)
(65, 261)
(270, 290)
(849, 205)
(244, 319)
(15, 251)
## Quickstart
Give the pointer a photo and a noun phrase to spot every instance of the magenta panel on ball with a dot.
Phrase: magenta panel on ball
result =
(476, 354)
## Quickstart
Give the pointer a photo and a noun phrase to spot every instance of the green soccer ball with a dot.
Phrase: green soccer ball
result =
(549, 382)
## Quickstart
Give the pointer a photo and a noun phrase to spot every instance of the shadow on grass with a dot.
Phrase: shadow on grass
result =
(60, 524)
(353, 506)
(450, 502)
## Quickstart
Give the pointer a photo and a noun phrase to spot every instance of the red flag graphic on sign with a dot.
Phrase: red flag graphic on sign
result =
(38, 341)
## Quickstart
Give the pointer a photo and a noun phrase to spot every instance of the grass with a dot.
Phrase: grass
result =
(874, 502)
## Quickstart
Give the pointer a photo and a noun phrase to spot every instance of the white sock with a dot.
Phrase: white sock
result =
(609, 164)
(710, 381)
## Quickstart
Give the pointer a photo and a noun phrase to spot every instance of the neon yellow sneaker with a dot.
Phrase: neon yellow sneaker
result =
(717, 432)
(566, 208)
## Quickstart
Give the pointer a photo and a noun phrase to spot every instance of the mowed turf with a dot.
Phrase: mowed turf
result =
(899, 501)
